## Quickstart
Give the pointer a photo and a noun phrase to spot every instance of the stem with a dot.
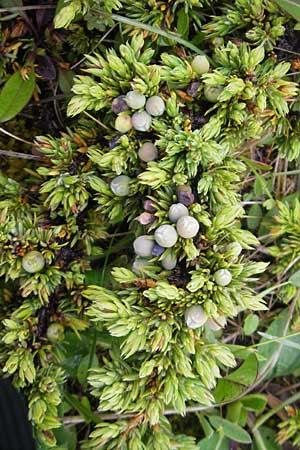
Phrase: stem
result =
(273, 411)
(95, 120)
(26, 8)
(15, 137)
(12, 154)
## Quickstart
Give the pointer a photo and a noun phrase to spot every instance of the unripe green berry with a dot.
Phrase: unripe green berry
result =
(222, 277)
(169, 262)
(212, 93)
(195, 316)
(166, 236)
(143, 246)
(123, 123)
(120, 185)
(200, 64)
(176, 211)
(135, 100)
(33, 262)
(141, 121)
(155, 106)
(55, 333)
(148, 152)
(187, 227)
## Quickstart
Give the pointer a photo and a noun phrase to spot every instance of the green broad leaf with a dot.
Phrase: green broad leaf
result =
(292, 7)
(183, 22)
(15, 94)
(65, 80)
(289, 358)
(256, 213)
(234, 410)
(251, 324)
(83, 409)
(295, 279)
(246, 373)
(227, 391)
(214, 442)
(254, 402)
(256, 164)
(265, 439)
(66, 437)
(231, 430)
(84, 366)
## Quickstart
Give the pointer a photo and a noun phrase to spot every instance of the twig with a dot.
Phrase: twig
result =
(94, 48)
(95, 120)
(15, 137)
(26, 8)
(12, 154)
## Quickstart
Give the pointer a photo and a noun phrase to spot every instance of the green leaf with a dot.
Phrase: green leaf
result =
(231, 430)
(254, 402)
(246, 373)
(66, 437)
(292, 7)
(15, 94)
(256, 213)
(84, 366)
(183, 22)
(289, 359)
(251, 324)
(255, 164)
(65, 80)
(265, 439)
(227, 391)
(214, 442)
(295, 279)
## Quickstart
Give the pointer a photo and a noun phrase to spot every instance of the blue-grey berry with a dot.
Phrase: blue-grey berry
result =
(120, 185)
(166, 236)
(143, 246)
(141, 121)
(169, 262)
(135, 100)
(195, 316)
(187, 227)
(176, 211)
(155, 106)
(148, 152)
(119, 104)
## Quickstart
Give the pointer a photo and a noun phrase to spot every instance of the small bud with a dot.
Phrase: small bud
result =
(146, 218)
(169, 262)
(143, 246)
(120, 185)
(217, 324)
(119, 104)
(200, 64)
(176, 211)
(195, 316)
(148, 152)
(234, 249)
(149, 206)
(55, 333)
(155, 106)
(166, 236)
(212, 93)
(123, 123)
(157, 250)
(141, 121)
(187, 227)
(222, 277)
(33, 262)
(135, 100)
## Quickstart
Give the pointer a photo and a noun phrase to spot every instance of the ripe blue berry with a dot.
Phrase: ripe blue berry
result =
(222, 277)
(135, 100)
(141, 121)
(143, 246)
(187, 227)
(176, 211)
(195, 316)
(155, 106)
(166, 236)
(148, 152)
(120, 185)
(169, 262)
